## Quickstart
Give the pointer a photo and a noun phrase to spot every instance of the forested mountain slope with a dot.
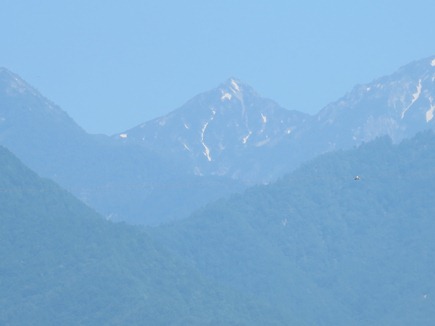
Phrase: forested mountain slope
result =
(324, 245)
(62, 264)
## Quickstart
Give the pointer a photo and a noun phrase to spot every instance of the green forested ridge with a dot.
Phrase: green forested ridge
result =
(324, 248)
(62, 264)
(314, 248)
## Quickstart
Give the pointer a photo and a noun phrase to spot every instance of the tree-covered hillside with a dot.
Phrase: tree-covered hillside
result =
(318, 247)
(62, 264)
(325, 247)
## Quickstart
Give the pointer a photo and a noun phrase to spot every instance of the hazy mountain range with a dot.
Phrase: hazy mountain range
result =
(216, 144)
(344, 237)
(227, 131)
(233, 131)
(123, 182)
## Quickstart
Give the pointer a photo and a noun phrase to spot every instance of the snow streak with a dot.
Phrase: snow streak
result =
(415, 97)
(204, 128)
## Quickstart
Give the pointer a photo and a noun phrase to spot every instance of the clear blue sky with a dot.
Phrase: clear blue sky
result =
(114, 64)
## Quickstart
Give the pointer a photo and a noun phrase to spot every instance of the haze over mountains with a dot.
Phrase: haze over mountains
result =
(398, 105)
(63, 264)
(224, 132)
(121, 181)
(317, 247)
(216, 144)
(312, 246)
(233, 131)
(324, 248)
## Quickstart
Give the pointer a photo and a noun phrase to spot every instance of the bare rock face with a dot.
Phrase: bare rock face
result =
(220, 132)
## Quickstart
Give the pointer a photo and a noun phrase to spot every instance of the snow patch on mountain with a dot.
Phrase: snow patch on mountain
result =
(206, 149)
(415, 97)
(430, 112)
(226, 96)
(236, 88)
(203, 129)
(263, 118)
(245, 139)
(186, 147)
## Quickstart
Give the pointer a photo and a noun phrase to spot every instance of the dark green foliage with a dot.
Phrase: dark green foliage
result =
(324, 248)
(62, 264)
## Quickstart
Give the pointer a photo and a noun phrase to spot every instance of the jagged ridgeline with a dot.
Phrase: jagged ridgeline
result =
(234, 131)
(215, 144)
(63, 264)
(121, 181)
(319, 246)
(347, 239)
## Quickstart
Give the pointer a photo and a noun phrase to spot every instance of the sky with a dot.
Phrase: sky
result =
(112, 65)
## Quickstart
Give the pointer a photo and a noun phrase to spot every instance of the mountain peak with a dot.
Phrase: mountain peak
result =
(12, 83)
(234, 83)
(6, 74)
(234, 87)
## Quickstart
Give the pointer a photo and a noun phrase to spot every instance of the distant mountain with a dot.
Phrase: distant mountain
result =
(62, 264)
(398, 105)
(216, 144)
(36, 129)
(232, 131)
(122, 181)
(318, 246)
(227, 131)
(326, 247)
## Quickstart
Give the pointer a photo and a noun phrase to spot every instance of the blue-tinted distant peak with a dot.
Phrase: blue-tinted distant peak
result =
(418, 68)
(6, 74)
(14, 83)
(234, 87)
(235, 83)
